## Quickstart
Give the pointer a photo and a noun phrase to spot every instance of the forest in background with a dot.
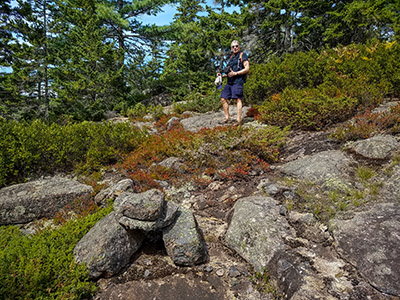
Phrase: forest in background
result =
(76, 60)
(314, 64)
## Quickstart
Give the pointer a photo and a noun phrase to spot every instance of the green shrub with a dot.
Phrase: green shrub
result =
(375, 64)
(198, 102)
(306, 109)
(298, 70)
(42, 266)
(33, 148)
(140, 110)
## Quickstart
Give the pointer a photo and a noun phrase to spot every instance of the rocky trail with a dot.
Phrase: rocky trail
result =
(261, 239)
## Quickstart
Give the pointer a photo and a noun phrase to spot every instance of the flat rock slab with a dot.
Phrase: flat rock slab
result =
(174, 163)
(178, 287)
(210, 120)
(26, 202)
(257, 229)
(167, 217)
(377, 147)
(371, 242)
(319, 167)
(183, 240)
(385, 107)
(391, 188)
(147, 206)
(107, 247)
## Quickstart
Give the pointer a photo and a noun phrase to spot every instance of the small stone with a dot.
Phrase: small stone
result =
(288, 195)
(147, 273)
(208, 269)
(283, 210)
(162, 183)
(323, 227)
(220, 272)
(233, 272)
(215, 185)
(234, 282)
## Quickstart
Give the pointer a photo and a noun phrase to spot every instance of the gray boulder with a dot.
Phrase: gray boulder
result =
(174, 163)
(391, 189)
(184, 241)
(371, 242)
(319, 167)
(114, 190)
(377, 147)
(171, 122)
(209, 120)
(270, 188)
(385, 107)
(147, 206)
(166, 218)
(26, 202)
(107, 247)
(257, 230)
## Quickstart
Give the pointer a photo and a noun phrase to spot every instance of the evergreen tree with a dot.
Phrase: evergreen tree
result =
(86, 73)
(28, 84)
(5, 53)
(186, 64)
(200, 46)
(290, 25)
(358, 21)
(138, 45)
(5, 33)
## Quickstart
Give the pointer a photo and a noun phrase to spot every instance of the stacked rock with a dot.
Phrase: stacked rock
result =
(136, 216)
(147, 211)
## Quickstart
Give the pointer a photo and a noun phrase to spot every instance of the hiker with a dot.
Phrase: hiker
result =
(236, 71)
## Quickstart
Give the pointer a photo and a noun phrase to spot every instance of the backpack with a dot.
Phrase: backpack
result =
(241, 60)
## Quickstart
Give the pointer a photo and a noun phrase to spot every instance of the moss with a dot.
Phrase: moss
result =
(42, 266)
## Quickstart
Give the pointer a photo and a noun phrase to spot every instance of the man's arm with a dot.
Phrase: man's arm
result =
(246, 69)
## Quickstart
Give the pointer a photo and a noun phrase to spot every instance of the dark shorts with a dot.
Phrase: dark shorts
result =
(232, 91)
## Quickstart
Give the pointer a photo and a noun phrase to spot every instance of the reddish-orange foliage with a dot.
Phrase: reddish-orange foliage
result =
(368, 124)
(80, 207)
(254, 113)
(141, 164)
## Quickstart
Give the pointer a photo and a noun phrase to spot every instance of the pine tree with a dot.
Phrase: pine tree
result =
(28, 84)
(86, 73)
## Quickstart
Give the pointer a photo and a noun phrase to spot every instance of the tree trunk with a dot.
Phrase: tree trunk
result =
(46, 79)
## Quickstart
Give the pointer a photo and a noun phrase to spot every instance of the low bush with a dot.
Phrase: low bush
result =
(42, 266)
(306, 109)
(298, 70)
(376, 64)
(313, 90)
(198, 102)
(366, 125)
(140, 110)
(28, 148)
(222, 152)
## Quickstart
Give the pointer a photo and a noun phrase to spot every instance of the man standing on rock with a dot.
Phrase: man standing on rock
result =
(236, 71)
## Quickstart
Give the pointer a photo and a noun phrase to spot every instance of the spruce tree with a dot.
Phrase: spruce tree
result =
(84, 79)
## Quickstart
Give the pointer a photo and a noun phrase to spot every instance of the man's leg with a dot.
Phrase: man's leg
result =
(225, 106)
(239, 106)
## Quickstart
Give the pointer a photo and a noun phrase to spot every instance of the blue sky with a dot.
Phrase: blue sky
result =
(165, 17)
